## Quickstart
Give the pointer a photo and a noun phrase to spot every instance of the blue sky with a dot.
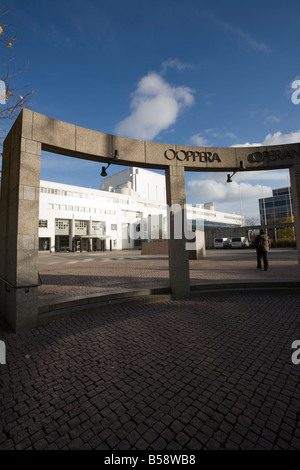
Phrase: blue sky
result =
(191, 73)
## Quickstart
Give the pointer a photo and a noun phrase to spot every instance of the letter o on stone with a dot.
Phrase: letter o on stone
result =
(184, 155)
(170, 157)
(257, 157)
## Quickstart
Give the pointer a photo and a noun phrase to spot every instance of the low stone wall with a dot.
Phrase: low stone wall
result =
(155, 248)
(161, 248)
(229, 232)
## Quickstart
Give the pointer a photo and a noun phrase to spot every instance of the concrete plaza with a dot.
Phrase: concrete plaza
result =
(69, 275)
(209, 372)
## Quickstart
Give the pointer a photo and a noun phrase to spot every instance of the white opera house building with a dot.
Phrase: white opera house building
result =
(130, 207)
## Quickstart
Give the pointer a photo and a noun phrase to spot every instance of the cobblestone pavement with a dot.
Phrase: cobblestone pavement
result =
(204, 373)
(80, 274)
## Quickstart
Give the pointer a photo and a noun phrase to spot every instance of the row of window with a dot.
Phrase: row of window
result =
(64, 224)
(90, 210)
(271, 210)
(272, 203)
(232, 217)
(282, 191)
(115, 200)
(61, 192)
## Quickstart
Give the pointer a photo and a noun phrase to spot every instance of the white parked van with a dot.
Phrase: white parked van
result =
(227, 242)
(239, 242)
(222, 242)
(218, 243)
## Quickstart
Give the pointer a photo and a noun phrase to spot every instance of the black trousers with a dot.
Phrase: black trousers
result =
(262, 255)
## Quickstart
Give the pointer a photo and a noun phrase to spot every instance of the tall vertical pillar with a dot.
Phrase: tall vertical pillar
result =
(149, 228)
(71, 234)
(160, 227)
(90, 233)
(178, 256)
(19, 221)
(295, 187)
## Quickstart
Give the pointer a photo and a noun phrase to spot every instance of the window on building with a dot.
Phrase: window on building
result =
(62, 226)
(98, 228)
(81, 227)
(43, 223)
(44, 244)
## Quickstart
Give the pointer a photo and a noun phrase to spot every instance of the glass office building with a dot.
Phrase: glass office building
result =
(277, 208)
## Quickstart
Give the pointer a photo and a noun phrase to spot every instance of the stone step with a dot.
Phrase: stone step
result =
(74, 309)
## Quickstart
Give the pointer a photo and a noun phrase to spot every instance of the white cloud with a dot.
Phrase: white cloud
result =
(231, 135)
(211, 190)
(239, 197)
(272, 118)
(260, 176)
(279, 138)
(175, 63)
(198, 140)
(246, 37)
(208, 99)
(233, 198)
(264, 175)
(274, 139)
(255, 45)
(155, 106)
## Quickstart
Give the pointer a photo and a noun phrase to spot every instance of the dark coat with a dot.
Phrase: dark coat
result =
(265, 242)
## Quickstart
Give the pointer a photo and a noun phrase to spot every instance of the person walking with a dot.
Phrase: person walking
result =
(262, 245)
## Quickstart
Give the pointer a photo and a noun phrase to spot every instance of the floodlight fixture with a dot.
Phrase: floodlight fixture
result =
(241, 168)
(115, 158)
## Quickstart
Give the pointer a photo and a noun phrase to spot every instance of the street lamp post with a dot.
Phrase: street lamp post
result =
(264, 205)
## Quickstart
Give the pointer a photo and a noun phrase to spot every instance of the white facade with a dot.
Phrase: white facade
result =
(96, 219)
(147, 184)
(118, 217)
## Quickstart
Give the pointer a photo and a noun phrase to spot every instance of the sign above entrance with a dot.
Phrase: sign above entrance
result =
(188, 155)
(272, 155)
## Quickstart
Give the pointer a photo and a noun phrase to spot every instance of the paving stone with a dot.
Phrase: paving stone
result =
(113, 442)
(159, 444)
(230, 445)
(76, 444)
(246, 445)
(42, 444)
(183, 374)
(150, 436)
(134, 436)
(220, 437)
(212, 445)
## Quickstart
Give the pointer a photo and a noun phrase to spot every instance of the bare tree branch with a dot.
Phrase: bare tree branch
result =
(12, 99)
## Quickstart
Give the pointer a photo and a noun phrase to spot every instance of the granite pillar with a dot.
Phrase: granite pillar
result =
(19, 221)
(178, 255)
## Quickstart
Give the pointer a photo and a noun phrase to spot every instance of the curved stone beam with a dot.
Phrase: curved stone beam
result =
(69, 139)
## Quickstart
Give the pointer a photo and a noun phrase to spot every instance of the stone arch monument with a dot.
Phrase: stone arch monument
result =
(20, 187)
